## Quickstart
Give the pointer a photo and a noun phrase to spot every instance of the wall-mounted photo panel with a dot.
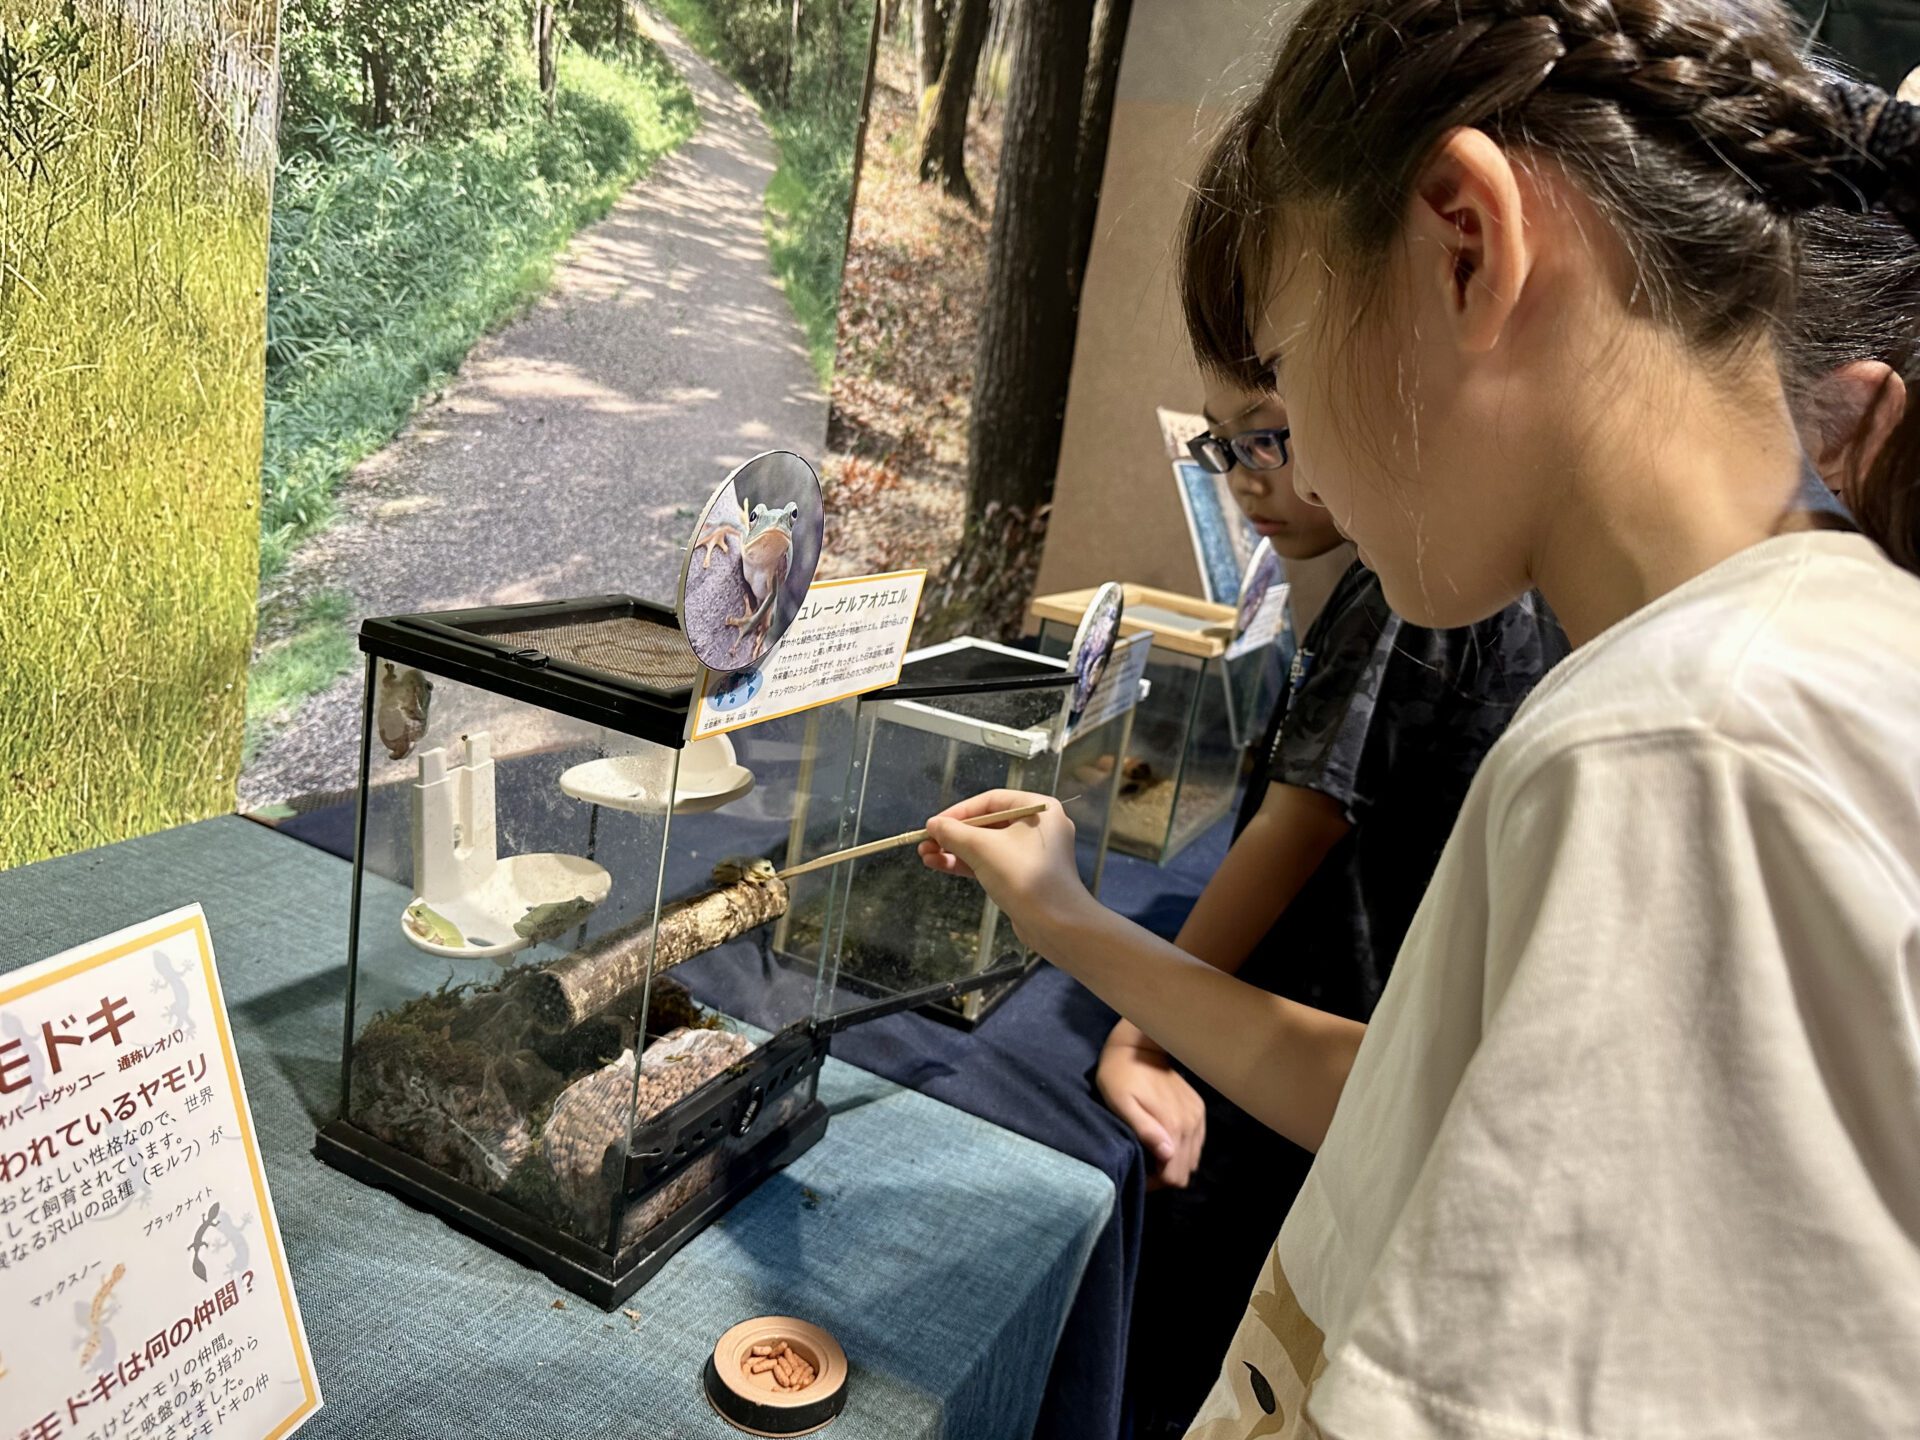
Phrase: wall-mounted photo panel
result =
(136, 156)
(536, 285)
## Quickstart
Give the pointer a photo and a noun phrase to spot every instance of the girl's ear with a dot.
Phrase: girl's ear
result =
(1469, 236)
(1856, 409)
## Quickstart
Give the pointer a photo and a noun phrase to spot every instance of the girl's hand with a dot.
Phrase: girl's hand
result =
(1026, 866)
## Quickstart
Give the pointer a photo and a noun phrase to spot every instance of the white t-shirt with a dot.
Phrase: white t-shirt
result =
(1632, 1146)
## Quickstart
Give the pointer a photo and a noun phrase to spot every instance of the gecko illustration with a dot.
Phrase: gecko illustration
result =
(95, 1338)
(200, 1241)
(170, 979)
(233, 1236)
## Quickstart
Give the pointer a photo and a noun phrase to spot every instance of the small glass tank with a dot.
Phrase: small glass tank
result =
(568, 1025)
(1180, 768)
(538, 849)
(965, 717)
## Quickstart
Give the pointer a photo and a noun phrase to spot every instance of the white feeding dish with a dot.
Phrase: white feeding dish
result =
(709, 777)
(485, 918)
(469, 898)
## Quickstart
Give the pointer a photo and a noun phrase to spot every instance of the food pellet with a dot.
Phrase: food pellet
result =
(759, 1350)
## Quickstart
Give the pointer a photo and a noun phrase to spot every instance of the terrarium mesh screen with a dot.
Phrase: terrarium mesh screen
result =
(633, 648)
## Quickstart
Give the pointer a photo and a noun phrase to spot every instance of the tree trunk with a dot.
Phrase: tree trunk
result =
(995, 52)
(379, 73)
(930, 43)
(1096, 124)
(866, 111)
(943, 138)
(793, 53)
(543, 37)
(889, 16)
(1027, 333)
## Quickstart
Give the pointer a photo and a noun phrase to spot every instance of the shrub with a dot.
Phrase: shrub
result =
(427, 67)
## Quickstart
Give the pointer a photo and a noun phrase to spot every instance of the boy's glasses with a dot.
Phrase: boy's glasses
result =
(1255, 449)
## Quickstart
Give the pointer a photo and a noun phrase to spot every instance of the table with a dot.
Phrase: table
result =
(943, 1251)
(1028, 1068)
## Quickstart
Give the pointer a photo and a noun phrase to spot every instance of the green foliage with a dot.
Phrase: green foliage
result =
(814, 114)
(41, 66)
(302, 664)
(133, 224)
(392, 256)
(599, 25)
(428, 67)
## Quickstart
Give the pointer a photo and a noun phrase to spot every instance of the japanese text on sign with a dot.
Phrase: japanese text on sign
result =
(145, 1288)
(849, 637)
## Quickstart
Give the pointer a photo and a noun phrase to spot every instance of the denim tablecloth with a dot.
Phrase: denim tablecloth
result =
(943, 1251)
(1028, 1068)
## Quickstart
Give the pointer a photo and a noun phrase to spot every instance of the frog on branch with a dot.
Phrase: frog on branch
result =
(766, 555)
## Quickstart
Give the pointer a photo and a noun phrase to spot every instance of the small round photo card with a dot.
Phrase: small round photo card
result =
(1093, 646)
(751, 560)
(1263, 573)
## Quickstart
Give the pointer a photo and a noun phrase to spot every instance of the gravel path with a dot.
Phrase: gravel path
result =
(571, 454)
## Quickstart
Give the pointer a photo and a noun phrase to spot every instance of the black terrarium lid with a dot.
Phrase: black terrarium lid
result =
(970, 667)
(608, 660)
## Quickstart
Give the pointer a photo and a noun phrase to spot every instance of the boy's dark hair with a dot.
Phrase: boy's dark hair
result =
(1695, 126)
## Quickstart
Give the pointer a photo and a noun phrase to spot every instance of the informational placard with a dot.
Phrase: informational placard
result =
(1119, 688)
(848, 637)
(143, 1288)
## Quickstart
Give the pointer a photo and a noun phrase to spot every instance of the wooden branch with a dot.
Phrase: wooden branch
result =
(580, 985)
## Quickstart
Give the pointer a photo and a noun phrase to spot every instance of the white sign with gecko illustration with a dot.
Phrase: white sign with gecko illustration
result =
(143, 1286)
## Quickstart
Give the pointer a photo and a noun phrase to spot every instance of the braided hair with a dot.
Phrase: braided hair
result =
(1695, 126)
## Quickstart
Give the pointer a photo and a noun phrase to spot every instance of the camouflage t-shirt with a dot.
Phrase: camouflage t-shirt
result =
(1390, 720)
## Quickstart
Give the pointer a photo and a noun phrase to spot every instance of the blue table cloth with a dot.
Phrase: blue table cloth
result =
(943, 1251)
(1028, 1068)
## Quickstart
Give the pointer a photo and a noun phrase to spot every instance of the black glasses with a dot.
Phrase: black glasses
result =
(1255, 449)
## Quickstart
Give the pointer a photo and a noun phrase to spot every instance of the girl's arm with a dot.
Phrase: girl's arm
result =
(1269, 863)
(1282, 1062)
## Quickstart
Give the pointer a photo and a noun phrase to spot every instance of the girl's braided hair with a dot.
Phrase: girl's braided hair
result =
(1696, 126)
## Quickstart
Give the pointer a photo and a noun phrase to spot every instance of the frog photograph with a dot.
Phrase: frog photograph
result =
(754, 555)
(136, 157)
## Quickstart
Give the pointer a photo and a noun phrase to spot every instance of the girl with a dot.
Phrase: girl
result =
(1369, 760)
(1628, 1149)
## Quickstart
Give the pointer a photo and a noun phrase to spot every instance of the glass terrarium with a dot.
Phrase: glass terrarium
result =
(1091, 769)
(1178, 772)
(964, 717)
(538, 850)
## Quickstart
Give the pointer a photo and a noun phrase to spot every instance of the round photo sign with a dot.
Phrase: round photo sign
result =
(1263, 573)
(1093, 645)
(751, 560)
